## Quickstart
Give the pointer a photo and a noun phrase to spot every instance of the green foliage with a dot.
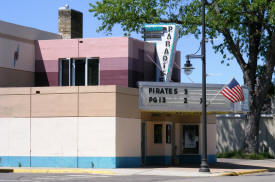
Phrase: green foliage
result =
(234, 15)
(242, 155)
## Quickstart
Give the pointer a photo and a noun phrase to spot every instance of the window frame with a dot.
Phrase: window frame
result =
(168, 133)
(72, 73)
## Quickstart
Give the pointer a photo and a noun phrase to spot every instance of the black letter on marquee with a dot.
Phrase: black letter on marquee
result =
(170, 28)
(168, 36)
(166, 51)
(165, 59)
(167, 43)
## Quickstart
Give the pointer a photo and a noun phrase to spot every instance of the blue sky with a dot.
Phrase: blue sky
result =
(42, 14)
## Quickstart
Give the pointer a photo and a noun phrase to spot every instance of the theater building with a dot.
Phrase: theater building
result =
(68, 101)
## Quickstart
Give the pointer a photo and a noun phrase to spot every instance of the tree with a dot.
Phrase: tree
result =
(247, 28)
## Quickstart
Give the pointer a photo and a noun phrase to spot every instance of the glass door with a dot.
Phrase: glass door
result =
(190, 139)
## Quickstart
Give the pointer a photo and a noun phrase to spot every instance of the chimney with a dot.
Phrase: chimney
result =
(70, 23)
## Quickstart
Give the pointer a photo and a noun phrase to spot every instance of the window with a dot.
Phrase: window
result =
(157, 133)
(92, 72)
(64, 72)
(168, 133)
(77, 72)
(190, 139)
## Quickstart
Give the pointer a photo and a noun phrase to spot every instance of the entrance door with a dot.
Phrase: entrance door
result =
(190, 139)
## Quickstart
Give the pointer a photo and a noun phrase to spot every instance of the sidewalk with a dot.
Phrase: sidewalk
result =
(224, 167)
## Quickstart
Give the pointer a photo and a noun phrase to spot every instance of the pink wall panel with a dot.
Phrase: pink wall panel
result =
(108, 47)
(119, 57)
(114, 63)
(54, 49)
(93, 47)
(115, 77)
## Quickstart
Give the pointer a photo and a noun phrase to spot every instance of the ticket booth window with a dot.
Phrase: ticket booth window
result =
(157, 133)
(190, 139)
(78, 72)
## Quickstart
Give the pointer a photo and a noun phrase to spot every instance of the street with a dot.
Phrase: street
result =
(17, 177)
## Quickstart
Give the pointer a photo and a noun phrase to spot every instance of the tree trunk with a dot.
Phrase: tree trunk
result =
(257, 97)
(252, 131)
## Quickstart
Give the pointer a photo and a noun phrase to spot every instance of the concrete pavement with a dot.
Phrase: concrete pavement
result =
(224, 167)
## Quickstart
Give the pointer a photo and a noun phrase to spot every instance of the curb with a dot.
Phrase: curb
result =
(243, 172)
(78, 171)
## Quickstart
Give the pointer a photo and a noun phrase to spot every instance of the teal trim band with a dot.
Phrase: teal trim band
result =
(109, 162)
(160, 24)
(64, 162)
(153, 29)
(97, 162)
(15, 161)
(70, 162)
(122, 162)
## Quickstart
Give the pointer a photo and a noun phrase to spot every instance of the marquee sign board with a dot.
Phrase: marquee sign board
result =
(161, 96)
(165, 36)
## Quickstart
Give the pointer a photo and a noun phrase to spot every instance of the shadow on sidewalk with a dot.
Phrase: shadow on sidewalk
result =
(228, 165)
(217, 165)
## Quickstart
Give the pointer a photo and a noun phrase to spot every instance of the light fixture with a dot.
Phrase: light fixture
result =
(188, 68)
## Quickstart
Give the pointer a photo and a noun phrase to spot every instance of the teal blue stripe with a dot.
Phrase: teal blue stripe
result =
(122, 162)
(160, 24)
(70, 162)
(15, 161)
(96, 162)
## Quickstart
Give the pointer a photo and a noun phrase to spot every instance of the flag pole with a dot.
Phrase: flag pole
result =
(219, 92)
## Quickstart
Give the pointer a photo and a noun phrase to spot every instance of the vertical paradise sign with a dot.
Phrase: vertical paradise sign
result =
(165, 37)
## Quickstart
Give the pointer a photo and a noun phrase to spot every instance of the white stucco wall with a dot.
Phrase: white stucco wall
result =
(97, 136)
(54, 136)
(70, 137)
(14, 137)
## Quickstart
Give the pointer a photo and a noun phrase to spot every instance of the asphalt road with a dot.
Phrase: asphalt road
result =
(17, 177)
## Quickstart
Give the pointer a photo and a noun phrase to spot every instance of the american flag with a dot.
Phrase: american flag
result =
(233, 91)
